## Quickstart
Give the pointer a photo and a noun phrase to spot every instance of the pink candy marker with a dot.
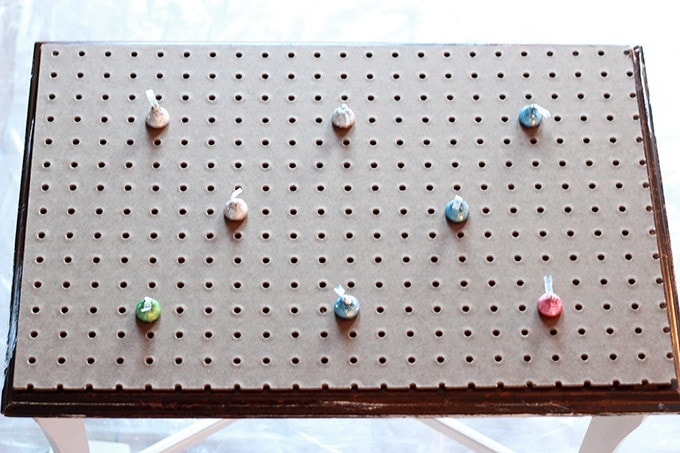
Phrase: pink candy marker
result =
(549, 304)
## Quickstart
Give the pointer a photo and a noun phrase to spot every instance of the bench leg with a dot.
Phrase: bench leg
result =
(189, 436)
(605, 433)
(65, 435)
(465, 435)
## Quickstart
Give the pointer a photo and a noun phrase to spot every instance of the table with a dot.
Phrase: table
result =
(112, 211)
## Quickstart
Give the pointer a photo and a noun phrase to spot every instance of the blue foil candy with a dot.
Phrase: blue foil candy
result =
(532, 115)
(457, 210)
(346, 306)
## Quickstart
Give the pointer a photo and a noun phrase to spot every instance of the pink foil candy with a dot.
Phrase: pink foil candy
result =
(549, 304)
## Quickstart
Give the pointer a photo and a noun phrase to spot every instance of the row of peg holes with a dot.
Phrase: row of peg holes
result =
(294, 310)
(322, 211)
(266, 285)
(371, 97)
(568, 209)
(353, 386)
(318, 120)
(323, 284)
(347, 165)
(375, 187)
(428, 141)
(370, 76)
(344, 54)
(352, 360)
(294, 259)
(380, 333)
(293, 235)
(322, 235)
(296, 284)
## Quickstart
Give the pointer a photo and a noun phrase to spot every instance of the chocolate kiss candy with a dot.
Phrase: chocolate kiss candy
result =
(532, 115)
(236, 208)
(158, 117)
(549, 304)
(346, 306)
(343, 117)
(148, 309)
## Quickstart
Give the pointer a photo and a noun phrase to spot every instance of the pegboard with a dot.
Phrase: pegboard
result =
(115, 211)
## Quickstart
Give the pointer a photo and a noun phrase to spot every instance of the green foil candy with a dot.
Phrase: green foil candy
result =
(148, 309)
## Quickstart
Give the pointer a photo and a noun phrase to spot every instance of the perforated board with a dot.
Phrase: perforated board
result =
(115, 211)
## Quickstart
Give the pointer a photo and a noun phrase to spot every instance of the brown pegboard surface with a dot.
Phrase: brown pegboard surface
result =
(117, 212)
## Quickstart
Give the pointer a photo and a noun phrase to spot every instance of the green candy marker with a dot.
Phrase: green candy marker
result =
(148, 309)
